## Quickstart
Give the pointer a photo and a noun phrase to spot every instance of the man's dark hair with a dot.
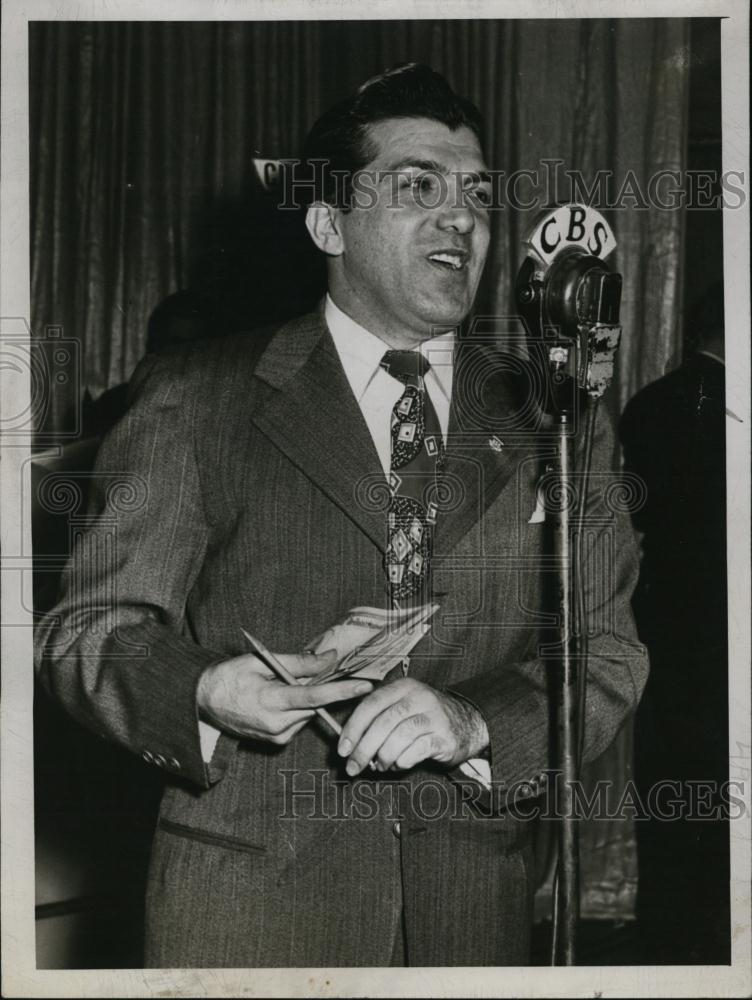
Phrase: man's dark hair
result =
(340, 137)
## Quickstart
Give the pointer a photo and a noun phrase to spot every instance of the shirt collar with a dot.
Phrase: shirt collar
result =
(361, 351)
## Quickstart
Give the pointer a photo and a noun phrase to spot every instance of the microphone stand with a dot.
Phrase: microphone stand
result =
(570, 290)
(596, 345)
(566, 886)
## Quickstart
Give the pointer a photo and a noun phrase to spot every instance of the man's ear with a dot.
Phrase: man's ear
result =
(322, 224)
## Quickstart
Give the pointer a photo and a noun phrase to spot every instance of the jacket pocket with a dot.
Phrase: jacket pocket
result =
(209, 837)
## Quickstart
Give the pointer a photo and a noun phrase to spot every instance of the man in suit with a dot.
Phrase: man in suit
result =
(266, 488)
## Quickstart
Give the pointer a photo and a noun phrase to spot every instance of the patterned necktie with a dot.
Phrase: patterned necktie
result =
(417, 462)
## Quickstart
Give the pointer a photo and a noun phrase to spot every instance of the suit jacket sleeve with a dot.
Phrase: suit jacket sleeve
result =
(116, 649)
(515, 699)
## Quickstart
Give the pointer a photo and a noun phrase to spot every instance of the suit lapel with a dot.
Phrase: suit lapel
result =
(488, 436)
(313, 417)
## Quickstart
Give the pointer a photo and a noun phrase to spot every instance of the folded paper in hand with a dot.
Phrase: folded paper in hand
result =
(371, 641)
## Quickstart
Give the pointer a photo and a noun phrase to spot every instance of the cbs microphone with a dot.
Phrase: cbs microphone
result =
(569, 301)
(568, 296)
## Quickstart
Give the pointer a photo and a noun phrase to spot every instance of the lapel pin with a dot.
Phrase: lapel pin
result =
(496, 443)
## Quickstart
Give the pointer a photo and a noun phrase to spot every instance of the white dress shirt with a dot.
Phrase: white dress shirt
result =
(375, 389)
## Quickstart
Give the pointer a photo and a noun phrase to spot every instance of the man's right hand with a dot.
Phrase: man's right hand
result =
(246, 699)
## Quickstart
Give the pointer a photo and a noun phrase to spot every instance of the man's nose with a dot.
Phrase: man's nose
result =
(456, 214)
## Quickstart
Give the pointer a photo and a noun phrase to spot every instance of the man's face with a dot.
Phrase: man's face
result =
(411, 262)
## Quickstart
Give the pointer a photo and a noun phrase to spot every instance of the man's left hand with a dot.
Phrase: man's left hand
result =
(405, 722)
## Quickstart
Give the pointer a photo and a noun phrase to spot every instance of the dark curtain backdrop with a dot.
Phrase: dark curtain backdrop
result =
(142, 183)
(143, 137)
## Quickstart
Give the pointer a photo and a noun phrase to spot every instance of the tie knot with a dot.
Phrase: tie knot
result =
(406, 366)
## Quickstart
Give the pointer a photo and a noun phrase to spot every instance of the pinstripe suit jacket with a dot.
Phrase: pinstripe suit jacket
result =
(243, 489)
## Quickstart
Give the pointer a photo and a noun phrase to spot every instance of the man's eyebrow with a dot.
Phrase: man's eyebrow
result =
(477, 176)
(419, 164)
(474, 176)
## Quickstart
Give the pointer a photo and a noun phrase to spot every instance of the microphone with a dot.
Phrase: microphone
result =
(568, 296)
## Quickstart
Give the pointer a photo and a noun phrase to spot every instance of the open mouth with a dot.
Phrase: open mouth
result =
(451, 260)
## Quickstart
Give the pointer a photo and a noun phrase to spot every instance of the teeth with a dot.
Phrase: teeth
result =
(446, 258)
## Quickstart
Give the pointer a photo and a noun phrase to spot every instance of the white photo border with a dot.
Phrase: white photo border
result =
(20, 976)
